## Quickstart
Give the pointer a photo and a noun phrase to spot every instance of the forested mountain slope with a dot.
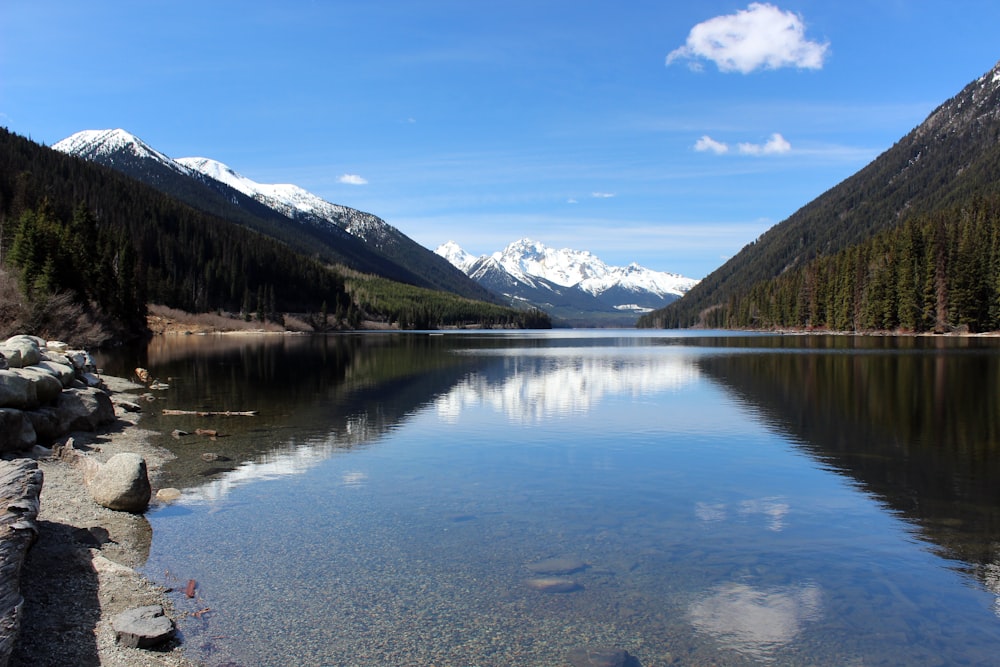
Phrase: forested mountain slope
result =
(71, 228)
(331, 233)
(951, 158)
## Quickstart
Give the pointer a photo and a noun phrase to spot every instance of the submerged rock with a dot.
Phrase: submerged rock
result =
(553, 585)
(168, 494)
(597, 656)
(556, 566)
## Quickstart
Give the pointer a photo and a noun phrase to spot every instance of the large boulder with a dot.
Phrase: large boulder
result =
(84, 409)
(16, 431)
(64, 372)
(47, 386)
(47, 423)
(22, 350)
(16, 390)
(122, 484)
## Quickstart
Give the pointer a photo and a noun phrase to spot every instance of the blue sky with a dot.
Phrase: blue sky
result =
(666, 133)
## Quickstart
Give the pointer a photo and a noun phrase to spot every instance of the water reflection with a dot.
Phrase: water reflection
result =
(774, 510)
(917, 425)
(756, 621)
(701, 482)
(534, 385)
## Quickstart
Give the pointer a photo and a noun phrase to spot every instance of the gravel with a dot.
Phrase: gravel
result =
(77, 577)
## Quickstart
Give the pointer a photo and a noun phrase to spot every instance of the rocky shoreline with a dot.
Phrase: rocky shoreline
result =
(79, 574)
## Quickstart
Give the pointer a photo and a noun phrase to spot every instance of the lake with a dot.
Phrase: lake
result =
(502, 498)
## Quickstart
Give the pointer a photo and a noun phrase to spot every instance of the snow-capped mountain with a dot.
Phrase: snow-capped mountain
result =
(96, 145)
(295, 202)
(573, 284)
(308, 223)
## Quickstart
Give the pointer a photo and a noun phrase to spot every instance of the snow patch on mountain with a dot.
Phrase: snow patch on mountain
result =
(93, 144)
(458, 257)
(526, 259)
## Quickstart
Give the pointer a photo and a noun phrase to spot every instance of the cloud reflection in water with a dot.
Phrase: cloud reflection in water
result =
(756, 621)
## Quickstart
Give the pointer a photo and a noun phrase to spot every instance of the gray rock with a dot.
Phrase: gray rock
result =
(143, 627)
(556, 566)
(553, 585)
(56, 346)
(22, 350)
(16, 431)
(597, 656)
(47, 423)
(81, 361)
(128, 406)
(3, 362)
(16, 391)
(84, 409)
(64, 372)
(122, 484)
(47, 386)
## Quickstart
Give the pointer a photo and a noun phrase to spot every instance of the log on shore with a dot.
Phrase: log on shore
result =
(212, 413)
(20, 487)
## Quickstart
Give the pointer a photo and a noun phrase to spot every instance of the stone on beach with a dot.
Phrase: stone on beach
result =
(143, 627)
(122, 484)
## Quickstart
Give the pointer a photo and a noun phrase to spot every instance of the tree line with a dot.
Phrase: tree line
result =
(937, 272)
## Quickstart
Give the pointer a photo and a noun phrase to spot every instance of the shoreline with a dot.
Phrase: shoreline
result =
(81, 572)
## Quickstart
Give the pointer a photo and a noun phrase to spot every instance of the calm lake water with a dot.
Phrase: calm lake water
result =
(708, 499)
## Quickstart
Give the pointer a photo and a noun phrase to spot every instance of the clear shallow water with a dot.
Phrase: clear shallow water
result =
(730, 500)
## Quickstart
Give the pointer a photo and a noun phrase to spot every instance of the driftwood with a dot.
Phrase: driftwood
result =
(223, 413)
(20, 486)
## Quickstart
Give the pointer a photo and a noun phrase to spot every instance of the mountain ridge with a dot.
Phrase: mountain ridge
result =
(952, 156)
(309, 224)
(575, 285)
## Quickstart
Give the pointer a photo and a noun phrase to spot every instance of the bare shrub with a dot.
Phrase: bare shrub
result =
(12, 305)
(294, 323)
(165, 319)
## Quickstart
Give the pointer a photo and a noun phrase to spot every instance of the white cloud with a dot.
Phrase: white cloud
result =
(776, 145)
(707, 143)
(572, 201)
(758, 37)
(352, 179)
(602, 195)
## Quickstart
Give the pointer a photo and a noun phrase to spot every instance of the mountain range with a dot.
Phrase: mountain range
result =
(946, 164)
(332, 233)
(572, 285)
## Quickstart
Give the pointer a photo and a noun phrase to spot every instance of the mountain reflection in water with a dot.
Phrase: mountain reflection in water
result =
(735, 499)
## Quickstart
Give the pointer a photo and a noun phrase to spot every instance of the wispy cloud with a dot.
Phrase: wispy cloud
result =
(708, 144)
(602, 195)
(776, 145)
(352, 179)
(761, 36)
